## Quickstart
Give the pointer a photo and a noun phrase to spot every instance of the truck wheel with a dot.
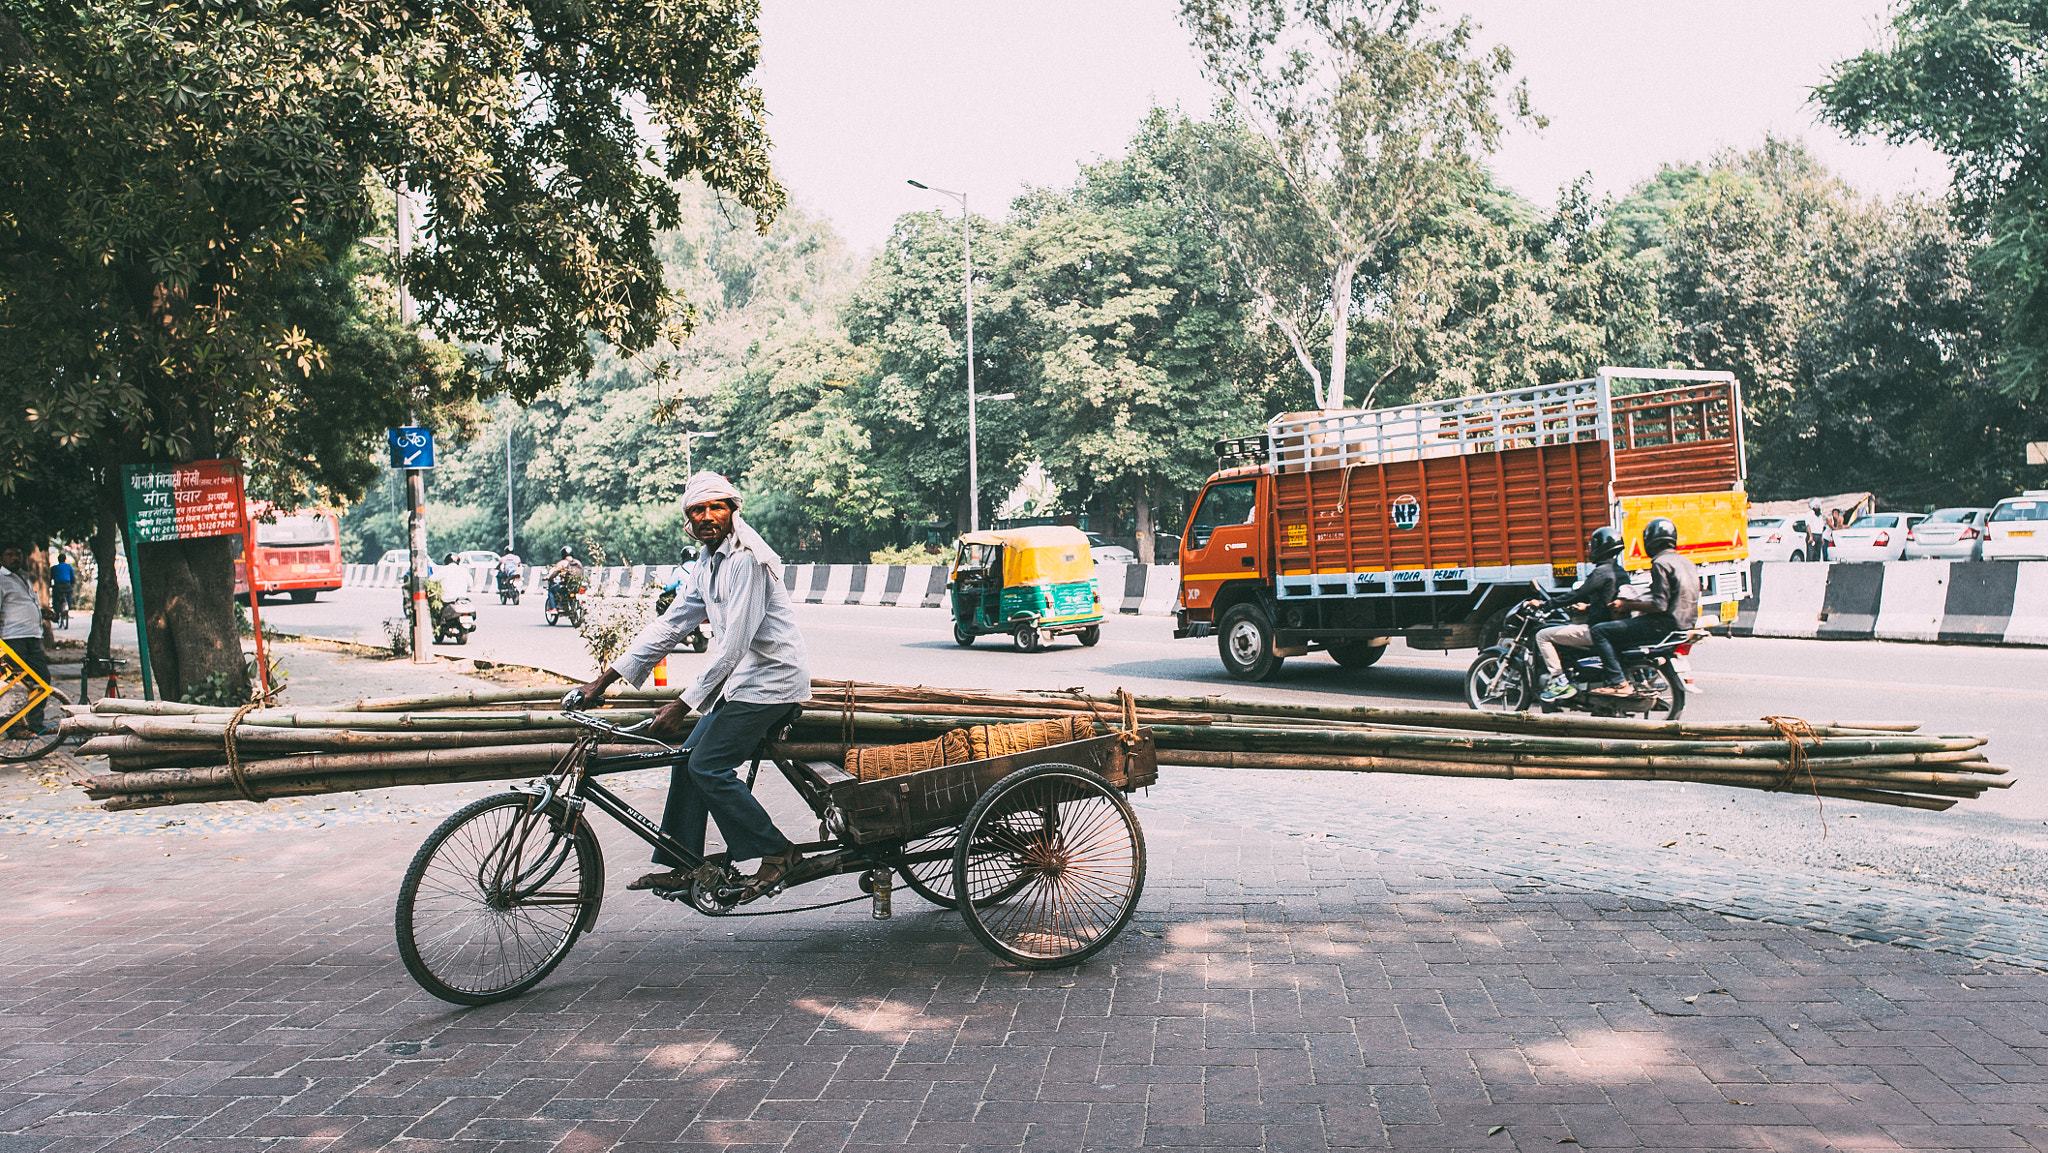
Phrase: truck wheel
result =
(1244, 637)
(1357, 654)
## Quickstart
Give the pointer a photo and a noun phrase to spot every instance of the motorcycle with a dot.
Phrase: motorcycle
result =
(508, 588)
(453, 623)
(563, 602)
(1508, 677)
(698, 640)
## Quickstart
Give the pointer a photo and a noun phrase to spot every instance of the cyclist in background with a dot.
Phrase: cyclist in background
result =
(63, 579)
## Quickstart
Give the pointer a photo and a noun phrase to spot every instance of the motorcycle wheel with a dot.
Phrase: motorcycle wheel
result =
(551, 615)
(1661, 689)
(1495, 685)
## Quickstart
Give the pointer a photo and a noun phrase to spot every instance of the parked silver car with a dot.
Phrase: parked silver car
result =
(1948, 534)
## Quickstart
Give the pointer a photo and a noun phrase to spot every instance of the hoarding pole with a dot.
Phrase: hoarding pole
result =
(249, 573)
(415, 479)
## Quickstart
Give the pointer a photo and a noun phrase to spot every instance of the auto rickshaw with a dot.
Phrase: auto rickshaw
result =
(1032, 583)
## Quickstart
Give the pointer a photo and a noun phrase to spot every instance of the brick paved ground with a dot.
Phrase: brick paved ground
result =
(243, 993)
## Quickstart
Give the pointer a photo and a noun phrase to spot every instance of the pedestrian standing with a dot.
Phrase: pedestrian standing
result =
(21, 627)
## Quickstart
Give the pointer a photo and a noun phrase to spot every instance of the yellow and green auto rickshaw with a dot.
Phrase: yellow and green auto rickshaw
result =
(1032, 583)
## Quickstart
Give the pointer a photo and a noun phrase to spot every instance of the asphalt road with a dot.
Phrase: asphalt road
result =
(1994, 846)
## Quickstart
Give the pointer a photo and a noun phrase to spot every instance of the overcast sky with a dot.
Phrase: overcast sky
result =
(987, 97)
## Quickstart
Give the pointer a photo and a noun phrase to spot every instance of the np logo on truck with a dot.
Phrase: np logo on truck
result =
(1406, 512)
(1291, 560)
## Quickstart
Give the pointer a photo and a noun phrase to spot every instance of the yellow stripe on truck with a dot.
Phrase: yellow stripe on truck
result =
(1712, 526)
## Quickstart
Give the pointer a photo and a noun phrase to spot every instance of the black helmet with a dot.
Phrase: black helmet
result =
(567, 551)
(1659, 535)
(1604, 545)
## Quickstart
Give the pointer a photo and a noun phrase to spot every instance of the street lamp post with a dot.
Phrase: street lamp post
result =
(973, 448)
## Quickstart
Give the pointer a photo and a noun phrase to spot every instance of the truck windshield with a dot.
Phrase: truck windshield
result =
(1232, 503)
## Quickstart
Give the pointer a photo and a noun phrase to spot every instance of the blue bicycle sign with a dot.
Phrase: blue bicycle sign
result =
(411, 447)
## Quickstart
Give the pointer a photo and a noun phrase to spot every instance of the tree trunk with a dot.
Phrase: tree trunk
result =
(1148, 548)
(188, 593)
(1340, 329)
(106, 597)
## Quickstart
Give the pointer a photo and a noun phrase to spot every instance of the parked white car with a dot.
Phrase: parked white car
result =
(1104, 552)
(2017, 528)
(1948, 534)
(1875, 536)
(1779, 538)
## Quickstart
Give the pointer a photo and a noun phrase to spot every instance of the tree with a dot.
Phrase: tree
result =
(1970, 78)
(1368, 114)
(1130, 334)
(183, 185)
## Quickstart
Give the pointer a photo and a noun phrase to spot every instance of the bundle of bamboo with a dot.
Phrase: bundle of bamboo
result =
(168, 754)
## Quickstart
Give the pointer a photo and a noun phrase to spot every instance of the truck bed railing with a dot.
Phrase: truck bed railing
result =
(1575, 410)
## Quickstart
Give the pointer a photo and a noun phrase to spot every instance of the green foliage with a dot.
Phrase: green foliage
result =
(1369, 113)
(610, 624)
(1970, 78)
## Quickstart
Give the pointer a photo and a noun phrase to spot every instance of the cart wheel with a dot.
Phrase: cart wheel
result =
(929, 874)
(1050, 865)
(495, 897)
(1089, 636)
(962, 636)
(926, 865)
(1028, 638)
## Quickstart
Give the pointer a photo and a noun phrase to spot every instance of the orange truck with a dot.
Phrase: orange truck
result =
(1339, 531)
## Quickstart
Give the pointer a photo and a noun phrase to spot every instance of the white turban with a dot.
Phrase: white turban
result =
(708, 486)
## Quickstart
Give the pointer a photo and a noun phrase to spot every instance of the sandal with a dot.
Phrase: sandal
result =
(667, 879)
(775, 868)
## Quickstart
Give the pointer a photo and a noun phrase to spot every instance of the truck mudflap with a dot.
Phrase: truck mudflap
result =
(1184, 628)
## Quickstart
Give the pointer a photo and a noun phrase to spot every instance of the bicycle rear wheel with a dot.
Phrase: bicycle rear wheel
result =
(33, 743)
(495, 898)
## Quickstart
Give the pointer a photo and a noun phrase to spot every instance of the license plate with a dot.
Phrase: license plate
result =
(2020, 532)
(1728, 609)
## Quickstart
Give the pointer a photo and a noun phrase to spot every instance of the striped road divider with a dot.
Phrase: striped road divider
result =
(1952, 602)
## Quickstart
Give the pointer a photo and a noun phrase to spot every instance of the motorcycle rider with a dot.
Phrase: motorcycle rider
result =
(565, 578)
(1673, 605)
(1597, 593)
(509, 567)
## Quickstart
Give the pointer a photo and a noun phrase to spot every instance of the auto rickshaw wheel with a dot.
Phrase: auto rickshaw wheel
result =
(962, 636)
(1089, 635)
(1028, 638)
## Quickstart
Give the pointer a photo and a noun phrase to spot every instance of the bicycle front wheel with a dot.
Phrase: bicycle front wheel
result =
(496, 897)
(21, 743)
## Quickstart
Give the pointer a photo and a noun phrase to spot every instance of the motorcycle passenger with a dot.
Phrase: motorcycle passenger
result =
(1673, 604)
(565, 578)
(1597, 593)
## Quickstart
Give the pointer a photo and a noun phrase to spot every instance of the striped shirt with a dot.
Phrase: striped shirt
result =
(757, 653)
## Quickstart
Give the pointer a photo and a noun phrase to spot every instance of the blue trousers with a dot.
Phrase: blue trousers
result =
(1634, 632)
(708, 785)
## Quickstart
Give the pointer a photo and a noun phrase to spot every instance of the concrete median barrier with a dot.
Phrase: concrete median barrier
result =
(1953, 602)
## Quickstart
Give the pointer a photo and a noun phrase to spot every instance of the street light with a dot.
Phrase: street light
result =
(967, 260)
(688, 469)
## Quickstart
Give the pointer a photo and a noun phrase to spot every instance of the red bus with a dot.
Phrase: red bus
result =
(297, 553)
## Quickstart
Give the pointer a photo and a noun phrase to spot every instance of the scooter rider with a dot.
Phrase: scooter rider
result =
(1673, 604)
(1597, 593)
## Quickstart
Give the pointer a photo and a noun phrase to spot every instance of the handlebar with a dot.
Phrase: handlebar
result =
(635, 732)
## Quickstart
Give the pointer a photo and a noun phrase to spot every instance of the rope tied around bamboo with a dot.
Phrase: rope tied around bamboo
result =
(1796, 732)
(236, 772)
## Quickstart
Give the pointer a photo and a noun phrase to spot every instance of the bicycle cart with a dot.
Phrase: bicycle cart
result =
(1038, 850)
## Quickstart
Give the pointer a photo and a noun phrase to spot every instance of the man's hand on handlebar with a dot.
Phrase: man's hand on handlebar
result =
(588, 696)
(669, 718)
